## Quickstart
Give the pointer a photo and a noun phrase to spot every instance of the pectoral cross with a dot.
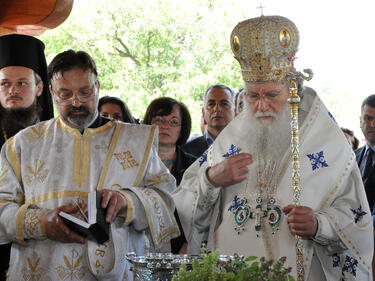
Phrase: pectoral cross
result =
(259, 214)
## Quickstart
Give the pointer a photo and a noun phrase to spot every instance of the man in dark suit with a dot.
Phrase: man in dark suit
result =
(364, 154)
(217, 112)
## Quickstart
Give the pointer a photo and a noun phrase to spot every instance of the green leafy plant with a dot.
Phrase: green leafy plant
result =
(210, 268)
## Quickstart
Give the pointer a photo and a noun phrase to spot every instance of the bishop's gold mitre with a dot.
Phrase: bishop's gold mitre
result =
(265, 47)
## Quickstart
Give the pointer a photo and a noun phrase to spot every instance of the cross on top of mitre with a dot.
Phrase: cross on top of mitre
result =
(261, 8)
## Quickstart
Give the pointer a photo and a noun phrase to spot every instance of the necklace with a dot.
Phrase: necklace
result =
(265, 210)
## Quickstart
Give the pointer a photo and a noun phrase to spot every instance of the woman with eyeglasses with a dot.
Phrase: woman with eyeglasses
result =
(174, 122)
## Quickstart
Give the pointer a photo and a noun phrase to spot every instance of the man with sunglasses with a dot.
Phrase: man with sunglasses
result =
(51, 167)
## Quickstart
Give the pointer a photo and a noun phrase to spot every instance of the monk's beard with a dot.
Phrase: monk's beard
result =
(15, 120)
(268, 139)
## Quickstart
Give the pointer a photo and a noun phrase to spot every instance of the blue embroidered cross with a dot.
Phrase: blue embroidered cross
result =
(350, 265)
(358, 214)
(233, 150)
(235, 204)
(317, 160)
(202, 158)
(336, 260)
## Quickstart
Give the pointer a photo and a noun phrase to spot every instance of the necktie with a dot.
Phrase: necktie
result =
(368, 165)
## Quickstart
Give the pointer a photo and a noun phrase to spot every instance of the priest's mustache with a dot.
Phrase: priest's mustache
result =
(78, 109)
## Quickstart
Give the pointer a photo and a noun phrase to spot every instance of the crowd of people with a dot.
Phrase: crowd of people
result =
(229, 188)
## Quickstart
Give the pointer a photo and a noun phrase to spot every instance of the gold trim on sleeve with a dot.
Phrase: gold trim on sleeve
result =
(145, 156)
(162, 196)
(108, 158)
(19, 223)
(43, 223)
(129, 208)
(14, 161)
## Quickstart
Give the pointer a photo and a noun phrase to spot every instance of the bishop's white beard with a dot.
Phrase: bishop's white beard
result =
(268, 139)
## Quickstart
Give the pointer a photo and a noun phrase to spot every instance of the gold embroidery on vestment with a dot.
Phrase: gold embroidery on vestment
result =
(73, 268)
(145, 156)
(56, 195)
(33, 273)
(19, 223)
(37, 173)
(14, 161)
(99, 256)
(156, 179)
(32, 221)
(37, 132)
(126, 160)
(3, 181)
(108, 158)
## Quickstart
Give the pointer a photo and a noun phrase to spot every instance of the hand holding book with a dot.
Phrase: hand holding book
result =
(114, 202)
(95, 227)
(56, 230)
(102, 207)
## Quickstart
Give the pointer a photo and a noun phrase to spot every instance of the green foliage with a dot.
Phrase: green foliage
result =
(209, 268)
(145, 49)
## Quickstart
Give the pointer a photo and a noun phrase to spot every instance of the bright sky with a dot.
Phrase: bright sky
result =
(337, 42)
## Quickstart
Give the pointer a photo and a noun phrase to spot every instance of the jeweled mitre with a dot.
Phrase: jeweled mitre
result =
(265, 47)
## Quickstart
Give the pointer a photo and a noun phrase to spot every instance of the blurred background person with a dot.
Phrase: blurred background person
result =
(174, 122)
(217, 112)
(353, 141)
(115, 108)
(238, 101)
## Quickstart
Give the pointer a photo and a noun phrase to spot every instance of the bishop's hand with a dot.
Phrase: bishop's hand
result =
(230, 171)
(301, 220)
(55, 228)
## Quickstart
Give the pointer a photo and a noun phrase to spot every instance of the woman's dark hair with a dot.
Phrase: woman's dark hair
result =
(127, 116)
(162, 107)
(355, 142)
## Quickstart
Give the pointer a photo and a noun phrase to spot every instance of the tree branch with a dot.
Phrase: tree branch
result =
(127, 52)
(148, 48)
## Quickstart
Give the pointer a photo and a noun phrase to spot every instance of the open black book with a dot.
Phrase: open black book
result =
(95, 227)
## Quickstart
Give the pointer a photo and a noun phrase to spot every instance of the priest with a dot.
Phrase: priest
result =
(24, 96)
(238, 196)
(52, 167)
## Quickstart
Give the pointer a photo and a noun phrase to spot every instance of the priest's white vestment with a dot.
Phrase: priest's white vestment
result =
(331, 185)
(51, 164)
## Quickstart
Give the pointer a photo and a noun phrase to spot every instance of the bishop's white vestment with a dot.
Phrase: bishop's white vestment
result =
(331, 185)
(51, 164)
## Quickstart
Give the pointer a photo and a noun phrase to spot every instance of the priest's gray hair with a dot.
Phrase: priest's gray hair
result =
(231, 92)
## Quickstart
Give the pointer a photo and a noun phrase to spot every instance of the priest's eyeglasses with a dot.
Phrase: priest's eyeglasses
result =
(174, 122)
(65, 97)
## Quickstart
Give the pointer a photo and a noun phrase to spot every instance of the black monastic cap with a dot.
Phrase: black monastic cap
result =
(28, 51)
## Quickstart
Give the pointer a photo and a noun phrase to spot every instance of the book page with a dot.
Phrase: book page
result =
(91, 207)
(74, 219)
